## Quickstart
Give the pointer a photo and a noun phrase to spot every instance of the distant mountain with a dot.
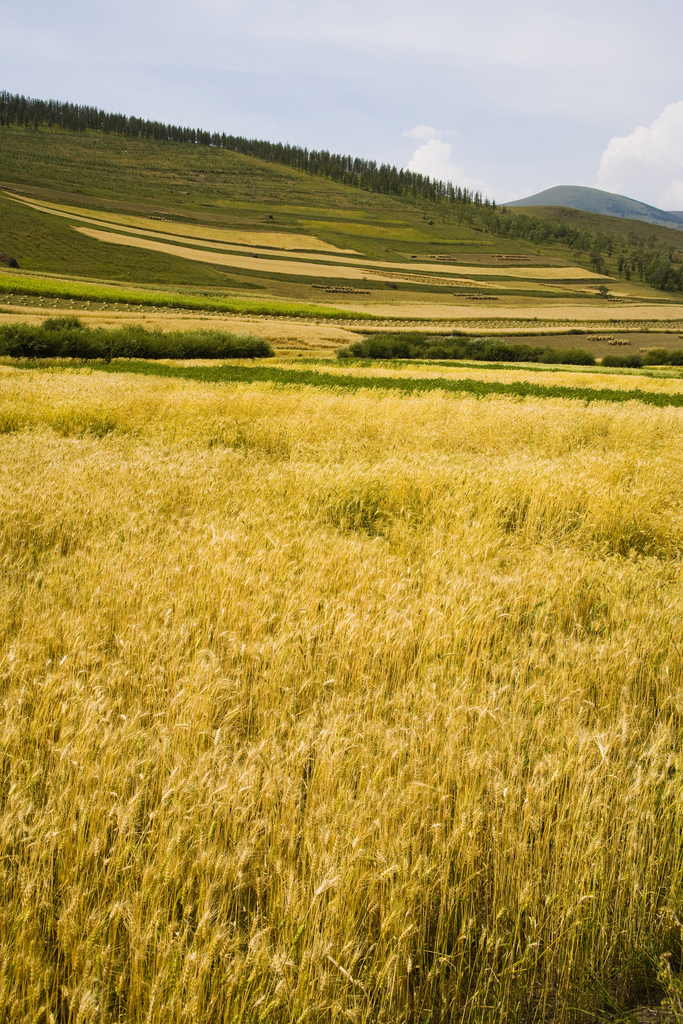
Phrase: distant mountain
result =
(593, 200)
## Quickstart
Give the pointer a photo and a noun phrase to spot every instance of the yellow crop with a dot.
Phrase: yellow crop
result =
(323, 707)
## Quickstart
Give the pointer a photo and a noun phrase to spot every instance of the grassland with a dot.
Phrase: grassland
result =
(329, 704)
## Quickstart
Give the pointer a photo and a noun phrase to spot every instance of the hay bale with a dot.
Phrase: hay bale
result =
(8, 261)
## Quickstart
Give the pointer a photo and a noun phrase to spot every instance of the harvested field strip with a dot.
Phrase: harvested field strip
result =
(11, 284)
(199, 232)
(467, 385)
(265, 264)
(399, 275)
(535, 273)
(585, 314)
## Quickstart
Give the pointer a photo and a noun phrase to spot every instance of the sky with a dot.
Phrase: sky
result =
(506, 97)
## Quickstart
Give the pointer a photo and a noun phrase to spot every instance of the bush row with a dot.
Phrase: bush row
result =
(653, 357)
(67, 337)
(456, 346)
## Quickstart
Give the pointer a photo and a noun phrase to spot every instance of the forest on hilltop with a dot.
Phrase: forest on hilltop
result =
(358, 172)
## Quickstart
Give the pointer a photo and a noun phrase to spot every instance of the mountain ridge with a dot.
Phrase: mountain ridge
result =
(595, 200)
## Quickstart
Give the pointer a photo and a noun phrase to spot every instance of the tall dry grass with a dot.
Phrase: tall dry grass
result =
(336, 708)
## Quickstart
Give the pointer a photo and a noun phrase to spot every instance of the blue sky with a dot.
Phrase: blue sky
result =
(508, 97)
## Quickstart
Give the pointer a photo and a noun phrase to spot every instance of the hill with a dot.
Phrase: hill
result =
(223, 227)
(594, 200)
(621, 230)
(358, 172)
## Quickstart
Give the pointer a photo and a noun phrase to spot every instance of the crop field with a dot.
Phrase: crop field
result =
(272, 243)
(333, 691)
(13, 284)
(651, 388)
(333, 704)
(276, 255)
(666, 381)
(207, 233)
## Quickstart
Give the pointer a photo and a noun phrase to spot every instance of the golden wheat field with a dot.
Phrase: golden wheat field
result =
(322, 707)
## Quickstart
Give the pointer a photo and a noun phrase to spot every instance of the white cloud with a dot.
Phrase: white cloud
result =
(648, 164)
(425, 131)
(535, 94)
(435, 158)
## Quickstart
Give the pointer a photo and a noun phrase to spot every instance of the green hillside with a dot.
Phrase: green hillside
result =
(183, 185)
(176, 183)
(356, 172)
(623, 229)
(198, 184)
(145, 172)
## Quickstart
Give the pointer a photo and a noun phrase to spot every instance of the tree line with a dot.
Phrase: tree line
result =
(357, 172)
(657, 265)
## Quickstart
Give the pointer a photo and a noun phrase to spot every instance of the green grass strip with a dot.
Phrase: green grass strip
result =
(275, 375)
(11, 285)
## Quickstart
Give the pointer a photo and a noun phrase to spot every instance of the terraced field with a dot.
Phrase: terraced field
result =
(240, 231)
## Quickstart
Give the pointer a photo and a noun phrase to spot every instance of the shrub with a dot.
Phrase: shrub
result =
(662, 357)
(633, 361)
(567, 356)
(656, 357)
(68, 337)
(413, 345)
